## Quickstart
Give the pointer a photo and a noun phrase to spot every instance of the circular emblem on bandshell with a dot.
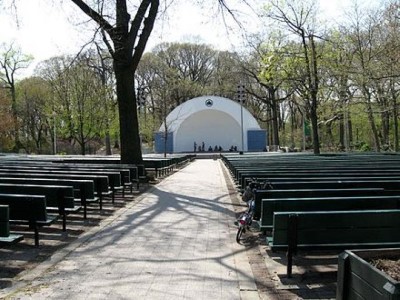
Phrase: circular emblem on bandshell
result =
(209, 103)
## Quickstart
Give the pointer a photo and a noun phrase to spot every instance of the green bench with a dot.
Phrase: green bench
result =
(160, 166)
(5, 236)
(104, 162)
(322, 203)
(28, 210)
(319, 230)
(83, 189)
(58, 198)
(101, 186)
(312, 193)
(281, 177)
(142, 174)
(344, 183)
(129, 172)
(117, 182)
(107, 190)
(314, 175)
(106, 183)
(141, 168)
(114, 176)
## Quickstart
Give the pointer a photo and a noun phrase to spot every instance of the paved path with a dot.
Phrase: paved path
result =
(176, 242)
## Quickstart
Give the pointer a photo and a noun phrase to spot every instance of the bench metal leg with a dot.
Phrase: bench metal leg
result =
(83, 201)
(292, 242)
(289, 265)
(100, 195)
(64, 222)
(84, 204)
(36, 233)
(33, 225)
(61, 209)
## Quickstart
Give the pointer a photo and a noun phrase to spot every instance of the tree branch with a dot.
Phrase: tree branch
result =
(95, 16)
(148, 24)
(107, 43)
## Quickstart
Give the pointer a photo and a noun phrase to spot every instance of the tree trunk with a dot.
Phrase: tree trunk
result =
(292, 127)
(82, 144)
(314, 125)
(314, 95)
(395, 125)
(270, 130)
(342, 133)
(274, 112)
(382, 101)
(107, 134)
(371, 120)
(312, 89)
(385, 128)
(108, 143)
(17, 145)
(373, 127)
(131, 151)
(350, 127)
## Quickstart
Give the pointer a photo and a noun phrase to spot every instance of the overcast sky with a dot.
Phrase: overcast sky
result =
(44, 30)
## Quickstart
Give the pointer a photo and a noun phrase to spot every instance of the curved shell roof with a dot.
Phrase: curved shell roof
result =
(214, 120)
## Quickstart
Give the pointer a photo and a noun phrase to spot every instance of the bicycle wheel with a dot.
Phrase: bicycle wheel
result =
(239, 234)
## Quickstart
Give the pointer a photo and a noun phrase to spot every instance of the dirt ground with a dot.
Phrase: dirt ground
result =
(389, 266)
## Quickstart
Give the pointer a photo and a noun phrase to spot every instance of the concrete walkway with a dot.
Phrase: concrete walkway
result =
(177, 241)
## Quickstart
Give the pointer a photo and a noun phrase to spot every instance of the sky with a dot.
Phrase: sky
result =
(44, 30)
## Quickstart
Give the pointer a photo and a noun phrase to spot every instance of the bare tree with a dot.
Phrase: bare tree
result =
(363, 36)
(33, 101)
(126, 40)
(11, 61)
(125, 27)
(298, 17)
(100, 63)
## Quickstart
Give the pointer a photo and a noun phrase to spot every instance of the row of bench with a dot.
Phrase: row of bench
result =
(164, 166)
(279, 166)
(33, 194)
(159, 166)
(357, 207)
(40, 190)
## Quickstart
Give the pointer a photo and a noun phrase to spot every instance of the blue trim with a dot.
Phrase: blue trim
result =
(256, 140)
(159, 142)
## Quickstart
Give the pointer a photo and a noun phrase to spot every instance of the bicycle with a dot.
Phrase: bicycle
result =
(245, 220)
